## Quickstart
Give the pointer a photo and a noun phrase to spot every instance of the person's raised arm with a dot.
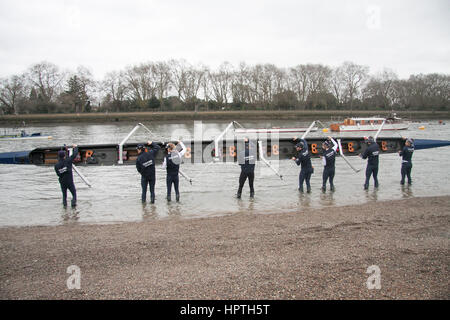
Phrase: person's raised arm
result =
(74, 153)
(154, 145)
(183, 148)
(335, 145)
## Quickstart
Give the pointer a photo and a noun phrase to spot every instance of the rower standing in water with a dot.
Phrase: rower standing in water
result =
(64, 171)
(172, 163)
(371, 153)
(406, 154)
(328, 161)
(303, 159)
(246, 159)
(145, 165)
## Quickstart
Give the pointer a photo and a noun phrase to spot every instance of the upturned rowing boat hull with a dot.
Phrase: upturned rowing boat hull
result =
(204, 151)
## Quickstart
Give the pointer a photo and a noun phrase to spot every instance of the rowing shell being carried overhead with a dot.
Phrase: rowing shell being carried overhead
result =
(204, 151)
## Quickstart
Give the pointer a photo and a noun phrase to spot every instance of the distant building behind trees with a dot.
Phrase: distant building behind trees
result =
(176, 85)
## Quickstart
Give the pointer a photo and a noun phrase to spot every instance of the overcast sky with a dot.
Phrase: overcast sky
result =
(407, 36)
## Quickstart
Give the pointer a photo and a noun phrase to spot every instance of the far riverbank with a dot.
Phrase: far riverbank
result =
(303, 115)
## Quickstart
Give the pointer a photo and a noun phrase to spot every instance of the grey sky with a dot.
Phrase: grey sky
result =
(406, 36)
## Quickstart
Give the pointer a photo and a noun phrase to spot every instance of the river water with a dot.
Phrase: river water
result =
(30, 195)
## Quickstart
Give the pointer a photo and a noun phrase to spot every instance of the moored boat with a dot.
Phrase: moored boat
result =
(370, 124)
(24, 136)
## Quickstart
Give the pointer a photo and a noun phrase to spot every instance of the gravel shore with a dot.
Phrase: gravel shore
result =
(311, 254)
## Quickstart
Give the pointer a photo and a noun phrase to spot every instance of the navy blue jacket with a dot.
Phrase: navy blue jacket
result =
(372, 152)
(64, 168)
(145, 163)
(174, 167)
(407, 154)
(329, 156)
(303, 157)
(247, 158)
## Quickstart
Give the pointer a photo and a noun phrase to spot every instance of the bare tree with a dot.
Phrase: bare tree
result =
(280, 80)
(354, 76)
(162, 77)
(438, 89)
(380, 89)
(194, 79)
(114, 84)
(419, 92)
(256, 75)
(240, 87)
(311, 82)
(12, 92)
(400, 96)
(47, 79)
(337, 83)
(299, 81)
(319, 78)
(178, 77)
(267, 83)
(206, 87)
(87, 83)
(141, 82)
(221, 82)
(115, 90)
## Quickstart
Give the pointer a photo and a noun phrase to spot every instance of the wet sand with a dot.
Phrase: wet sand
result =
(311, 254)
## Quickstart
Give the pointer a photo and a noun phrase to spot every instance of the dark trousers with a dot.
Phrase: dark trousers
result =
(406, 171)
(305, 176)
(243, 177)
(73, 191)
(328, 173)
(172, 179)
(145, 181)
(371, 171)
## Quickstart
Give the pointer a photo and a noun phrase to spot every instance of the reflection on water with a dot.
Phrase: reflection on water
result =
(30, 195)
(407, 191)
(174, 209)
(69, 215)
(246, 206)
(149, 211)
(304, 200)
(371, 194)
(327, 199)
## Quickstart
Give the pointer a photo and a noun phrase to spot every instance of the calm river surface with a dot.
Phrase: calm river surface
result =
(30, 195)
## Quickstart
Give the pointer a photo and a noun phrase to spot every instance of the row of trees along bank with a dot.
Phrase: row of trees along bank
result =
(176, 85)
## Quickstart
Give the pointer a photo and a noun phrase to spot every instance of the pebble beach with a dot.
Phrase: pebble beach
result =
(309, 254)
